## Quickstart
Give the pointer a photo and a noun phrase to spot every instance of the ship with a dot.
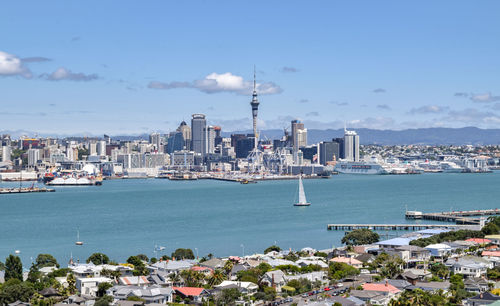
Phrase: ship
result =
(76, 180)
(359, 167)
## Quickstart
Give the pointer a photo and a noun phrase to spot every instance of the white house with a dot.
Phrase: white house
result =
(90, 285)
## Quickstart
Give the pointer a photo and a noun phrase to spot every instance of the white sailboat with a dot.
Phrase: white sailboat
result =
(302, 195)
(78, 242)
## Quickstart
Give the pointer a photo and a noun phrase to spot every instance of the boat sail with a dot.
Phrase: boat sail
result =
(302, 195)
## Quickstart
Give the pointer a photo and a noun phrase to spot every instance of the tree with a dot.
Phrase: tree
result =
(143, 257)
(13, 268)
(2, 266)
(228, 267)
(139, 266)
(227, 296)
(46, 260)
(71, 280)
(216, 278)
(440, 270)
(272, 248)
(340, 270)
(102, 287)
(15, 290)
(360, 236)
(183, 254)
(104, 301)
(193, 278)
(98, 259)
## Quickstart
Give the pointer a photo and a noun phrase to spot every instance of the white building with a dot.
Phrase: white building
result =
(351, 145)
(33, 157)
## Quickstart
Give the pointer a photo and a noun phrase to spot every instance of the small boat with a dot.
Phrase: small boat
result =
(302, 195)
(78, 242)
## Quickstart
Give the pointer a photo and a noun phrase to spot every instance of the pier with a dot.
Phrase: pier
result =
(459, 217)
(24, 190)
(395, 227)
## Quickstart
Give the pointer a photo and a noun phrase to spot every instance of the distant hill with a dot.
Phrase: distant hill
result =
(429, 136)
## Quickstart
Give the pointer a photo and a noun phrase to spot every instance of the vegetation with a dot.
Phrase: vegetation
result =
(104, 301)
(420, 297)
(98, 259)
(13, 268)
(183, 254)
(387, 265)
(301, 285)
(46, 260)
(439, 270)
(272, 248)
(82, 152)
(340, 270)
(15, 290)
(227, 297)
(448, 236)
(102, 287)
(360, 236)
(139, 266)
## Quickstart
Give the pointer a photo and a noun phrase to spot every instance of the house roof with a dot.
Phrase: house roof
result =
(486, 296)
(347, 260)
(479, 240)
(189, 291)
(491, 253)
(380, 287)
(133, 280)
(395, 241)
(438, 246)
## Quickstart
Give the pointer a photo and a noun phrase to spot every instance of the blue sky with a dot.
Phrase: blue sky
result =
(93, 67)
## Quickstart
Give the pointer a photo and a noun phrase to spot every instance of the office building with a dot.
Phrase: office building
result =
(175, 142)
(351, 145)
(33, 157)
(186, 134)
(198, 134)
(6, 153)
(328, 151)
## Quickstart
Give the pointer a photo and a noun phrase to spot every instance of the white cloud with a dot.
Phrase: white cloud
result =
(225, 82)
(65, 74)
(428, 109)
(11, 65)
(484, 98)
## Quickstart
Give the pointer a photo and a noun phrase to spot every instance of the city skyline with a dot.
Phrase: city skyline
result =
(81, 68)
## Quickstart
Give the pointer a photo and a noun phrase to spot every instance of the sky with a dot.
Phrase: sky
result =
(132, 67)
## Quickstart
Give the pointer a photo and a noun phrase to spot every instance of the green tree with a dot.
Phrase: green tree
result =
(183, 254)
(46, 260)
(102, 287)
(2, 266)
(15, 290)
(104, 301)
(139, 266)
(193, 278)
(13, 268)
(143, 257)
(440, 270)
(71, 280)
(340, 270)
(98, 259)
(360, 236)
(227, 296)
(216, 278)
(228, 267)
(272, 248)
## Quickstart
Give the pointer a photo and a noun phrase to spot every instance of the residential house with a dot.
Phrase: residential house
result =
(439, 249)
(469, 266)
(433, 286)
(90, 285)
(484, 298)
(477, 285)
(274, 279)
(348, 260)
(196, 295)
(244, 287)
(133, 280)
(214, 263)
(152, 294)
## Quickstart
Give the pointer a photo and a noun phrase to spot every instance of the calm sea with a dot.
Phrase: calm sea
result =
(128, 217)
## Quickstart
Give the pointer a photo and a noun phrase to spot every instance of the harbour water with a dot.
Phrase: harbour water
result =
(127, 217)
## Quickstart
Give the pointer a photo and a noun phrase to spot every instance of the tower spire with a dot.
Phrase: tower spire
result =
(254, 81)
(255, 107)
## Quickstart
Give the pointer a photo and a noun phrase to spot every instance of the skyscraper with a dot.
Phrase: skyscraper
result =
(351, 145)
(186, 134)
(198, 134)
(299, 138)
(255, 109)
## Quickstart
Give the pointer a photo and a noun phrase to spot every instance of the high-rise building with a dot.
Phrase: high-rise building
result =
(328, 150)
(299, 138)
(255, 108)
(175, 142)
(186, 134)
(33, 157)
(92, 148)
(101, 148)
(156, 140)
(6, 153)
(351, 145)
(199, 134)
(244, 146)
(210, 139)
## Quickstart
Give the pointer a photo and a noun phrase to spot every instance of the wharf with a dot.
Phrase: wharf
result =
(459, 217)
(404, 227)
(25, 190)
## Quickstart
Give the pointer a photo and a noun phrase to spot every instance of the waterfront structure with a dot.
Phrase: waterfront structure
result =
(198, 134)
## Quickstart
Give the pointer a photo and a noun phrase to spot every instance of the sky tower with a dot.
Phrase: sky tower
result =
(255, 108)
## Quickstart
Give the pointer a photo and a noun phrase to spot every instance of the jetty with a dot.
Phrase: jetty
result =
(395, 227)
(459, 217)
(25, 190)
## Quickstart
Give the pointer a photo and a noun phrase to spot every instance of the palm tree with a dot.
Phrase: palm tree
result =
(216, 278)
(228, 266)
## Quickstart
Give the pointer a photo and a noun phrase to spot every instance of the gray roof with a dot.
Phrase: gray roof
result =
(214, 263)
(433, 285)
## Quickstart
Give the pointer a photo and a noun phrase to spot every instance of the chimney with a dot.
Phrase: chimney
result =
(386, 283)
(272, 280)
